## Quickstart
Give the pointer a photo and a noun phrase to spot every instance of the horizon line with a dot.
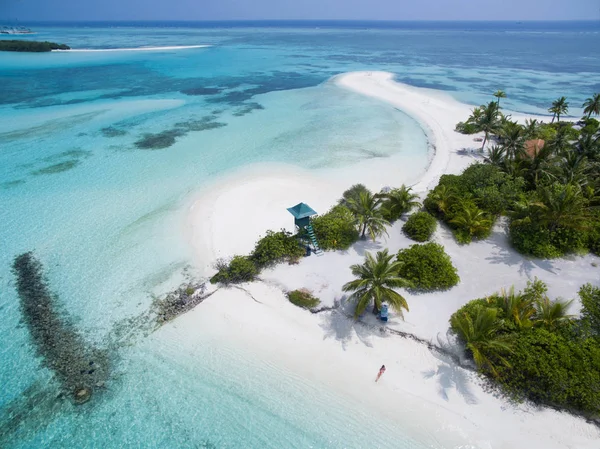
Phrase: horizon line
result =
(311, 20)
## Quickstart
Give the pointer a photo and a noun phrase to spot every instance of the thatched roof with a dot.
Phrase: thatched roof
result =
(533, 147)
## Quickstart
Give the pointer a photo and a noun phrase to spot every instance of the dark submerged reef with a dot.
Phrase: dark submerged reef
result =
(57, 168)
(31, 46)
(167, 138)
(79, 367)
(112, 131)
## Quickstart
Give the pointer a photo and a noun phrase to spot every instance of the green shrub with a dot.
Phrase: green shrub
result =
(590, 307)
(428, 267)
(550, 368)
(539, 241)
(277, 247)
(239, 269)
(420, 226)
(303, 298)
(336, 229)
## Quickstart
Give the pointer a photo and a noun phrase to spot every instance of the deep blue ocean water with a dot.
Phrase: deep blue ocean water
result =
(84, 184)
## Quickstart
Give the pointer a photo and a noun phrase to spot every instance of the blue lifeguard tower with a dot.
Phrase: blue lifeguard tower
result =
(302, 213)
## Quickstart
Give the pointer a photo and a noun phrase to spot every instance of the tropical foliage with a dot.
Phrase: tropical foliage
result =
(336, 229)
(375, 282)
(543, 176)
(238, 269)
(303, 298)
(397, 202)
(368, 214)
(532, 347)
(276, 247)
(427, 267)
(420, 226)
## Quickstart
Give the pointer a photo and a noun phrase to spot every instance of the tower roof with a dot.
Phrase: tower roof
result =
(301, 210)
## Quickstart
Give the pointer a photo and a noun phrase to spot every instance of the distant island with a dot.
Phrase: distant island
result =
(31, 46)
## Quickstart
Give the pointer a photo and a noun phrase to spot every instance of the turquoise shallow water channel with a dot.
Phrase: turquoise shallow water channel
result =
(99, 152)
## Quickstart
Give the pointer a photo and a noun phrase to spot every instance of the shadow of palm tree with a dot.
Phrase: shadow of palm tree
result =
(450, 375)
(339, 326)
(364, 246)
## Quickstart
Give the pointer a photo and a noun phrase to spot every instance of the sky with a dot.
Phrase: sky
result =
(71, 10)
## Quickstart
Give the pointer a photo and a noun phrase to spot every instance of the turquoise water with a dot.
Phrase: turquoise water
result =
(100, 152)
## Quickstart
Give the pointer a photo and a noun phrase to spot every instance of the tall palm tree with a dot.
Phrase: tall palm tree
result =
(480, 335)
(513, 140)
(559, 106)
(499, 94)
(532, 128)
(375, 281)
(398, 202)
(367, 212)
(472, 219)
(489, 121)
(592, 106)
(444, 197)
(573, 168)
(551, 314)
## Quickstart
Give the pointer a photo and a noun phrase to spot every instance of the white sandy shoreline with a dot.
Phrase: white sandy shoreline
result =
(441, 398)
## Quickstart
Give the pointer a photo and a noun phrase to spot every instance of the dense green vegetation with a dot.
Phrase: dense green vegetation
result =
(303, 298)
(276, 247)
(543, 176)
(533, 348)
(427, 267)
(30, 46)
(239, 269)
(335, 229)
(420, 226)
(374, 283)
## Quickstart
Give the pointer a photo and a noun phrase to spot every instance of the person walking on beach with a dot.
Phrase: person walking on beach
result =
(381, 371)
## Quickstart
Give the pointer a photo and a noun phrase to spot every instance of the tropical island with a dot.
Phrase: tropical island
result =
(30, 46)
(473, 251)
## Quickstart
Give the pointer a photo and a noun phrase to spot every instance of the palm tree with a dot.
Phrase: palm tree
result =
(496, 156)
(573, 168)
(532, 128)
(513, 140)
(551, 314)
(472, 219)
(444, 197)
(480, 335)
(375, 281)
(499, 94)
(488, 121)
(559, 107)
(592, 106)
(561, 206)
(517, 307)
(398, 202)
(368, 214)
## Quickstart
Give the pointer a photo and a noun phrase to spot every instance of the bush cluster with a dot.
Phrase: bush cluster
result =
(534, 351)
(276, 247)
(428, 267)
(336, 229)
(470, 202)
(239, 269)
(31, 46)
(420, 226)
(303, 298)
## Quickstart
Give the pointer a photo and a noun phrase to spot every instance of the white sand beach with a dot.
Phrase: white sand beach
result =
(433, 398)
